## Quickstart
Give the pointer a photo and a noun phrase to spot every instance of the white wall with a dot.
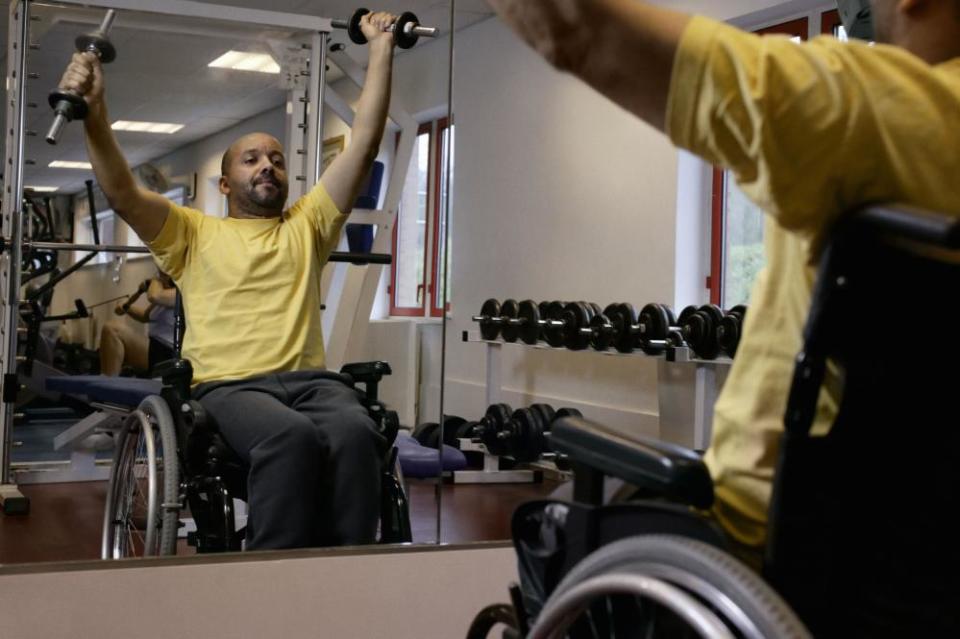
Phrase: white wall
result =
(558, 194)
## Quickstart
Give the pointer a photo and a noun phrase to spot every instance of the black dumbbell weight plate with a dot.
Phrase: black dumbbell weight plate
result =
(467, 430)
(427, 434)
(655, 323)
(526, 444)
(354, 30)
(603, 332)
(451, 426)
(546, 414)
(494, 421)
(710, 347)
(554, 334)
(403, 39)
(508, 311)
(490, 310)
(685, 314)
(529, 313)
(104, 47)
(575, 316)
(567, 412)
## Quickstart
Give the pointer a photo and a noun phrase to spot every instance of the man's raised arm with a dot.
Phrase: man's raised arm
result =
(622, 48)
(143, 210)
(346, 174)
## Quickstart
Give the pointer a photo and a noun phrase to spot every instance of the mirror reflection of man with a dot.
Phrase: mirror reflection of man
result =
(810, 131)
(251, 289)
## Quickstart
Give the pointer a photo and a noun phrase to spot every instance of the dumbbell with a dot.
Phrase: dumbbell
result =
(492, 422)
(67, 105)
(493, 315)
(429, 434)
(406, 30)
(653, 330)
(558, 324)
(730, 329)
(527, 434)
(700, 327)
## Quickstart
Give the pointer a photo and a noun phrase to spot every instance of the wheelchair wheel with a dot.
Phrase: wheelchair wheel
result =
(665, 586)
(143, 495)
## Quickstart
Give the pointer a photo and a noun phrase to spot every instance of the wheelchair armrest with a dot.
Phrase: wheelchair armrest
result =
(665, 469)
(367, 373)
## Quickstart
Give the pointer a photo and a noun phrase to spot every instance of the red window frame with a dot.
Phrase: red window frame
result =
(420, 310)
(829, 21)
(799, 27)
(433, 289)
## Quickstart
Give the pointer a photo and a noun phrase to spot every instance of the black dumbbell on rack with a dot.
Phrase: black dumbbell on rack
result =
(493, 316)
(406, 30)
(524, 437)
(556, 323)
(700, 327)
(653, 330)
(730, 329)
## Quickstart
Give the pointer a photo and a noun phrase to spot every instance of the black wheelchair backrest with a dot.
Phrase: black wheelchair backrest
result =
(859, 519)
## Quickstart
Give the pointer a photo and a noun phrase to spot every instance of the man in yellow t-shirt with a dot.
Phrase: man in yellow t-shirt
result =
(251, 291)
(810, 131)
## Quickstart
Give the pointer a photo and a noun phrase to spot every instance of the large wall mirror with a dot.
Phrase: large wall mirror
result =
(567, 208)
(81, 451)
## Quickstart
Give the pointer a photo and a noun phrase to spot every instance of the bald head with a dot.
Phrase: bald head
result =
(930, 29)
(252, 139)
(254, 176)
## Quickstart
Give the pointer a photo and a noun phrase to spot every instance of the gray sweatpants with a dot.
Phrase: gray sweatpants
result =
(314, 456)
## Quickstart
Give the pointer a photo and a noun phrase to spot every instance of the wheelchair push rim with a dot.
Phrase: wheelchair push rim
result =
(142, 511)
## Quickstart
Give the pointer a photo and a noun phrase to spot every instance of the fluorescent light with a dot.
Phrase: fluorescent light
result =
(146, 127)
(242, 61)
(41, 189)
(61, 164)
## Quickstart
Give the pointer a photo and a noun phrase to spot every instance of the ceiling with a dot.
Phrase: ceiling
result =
(161, 73)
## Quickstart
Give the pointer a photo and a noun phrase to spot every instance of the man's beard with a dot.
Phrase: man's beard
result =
(269, 201)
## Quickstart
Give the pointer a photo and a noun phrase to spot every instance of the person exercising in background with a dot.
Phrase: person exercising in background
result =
(250, 285)
(121, 345)
(810, 131)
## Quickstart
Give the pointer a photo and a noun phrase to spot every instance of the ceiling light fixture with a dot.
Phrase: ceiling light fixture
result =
(63, 164)
(146, 127)
(244, 61)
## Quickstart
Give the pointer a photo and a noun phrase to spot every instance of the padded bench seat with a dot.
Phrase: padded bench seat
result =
(421, 461)
(125, 391)
(657, 466)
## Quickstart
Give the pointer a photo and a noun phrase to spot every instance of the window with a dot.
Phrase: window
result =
(736, 247)
(830, 24)
(420, 224)
(113, 230)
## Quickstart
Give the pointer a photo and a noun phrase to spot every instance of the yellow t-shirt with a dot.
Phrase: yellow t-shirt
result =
(810, 131)
(250, 287)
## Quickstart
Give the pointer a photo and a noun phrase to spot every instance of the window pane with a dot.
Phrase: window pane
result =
(446, 148)
(743, 255)
(412, 227)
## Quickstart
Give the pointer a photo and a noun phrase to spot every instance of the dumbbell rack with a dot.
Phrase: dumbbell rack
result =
(687, 388)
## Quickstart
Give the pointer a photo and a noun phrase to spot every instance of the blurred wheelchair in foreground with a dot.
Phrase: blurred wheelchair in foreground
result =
(860, 542)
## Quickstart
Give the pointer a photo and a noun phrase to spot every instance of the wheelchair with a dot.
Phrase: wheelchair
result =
(169, 455)
(860, 541)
